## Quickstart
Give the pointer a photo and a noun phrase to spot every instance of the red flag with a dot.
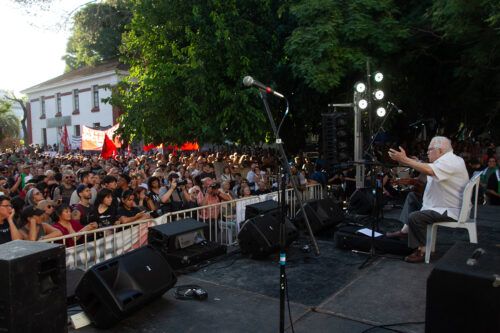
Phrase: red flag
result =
(108, 148)
(149, 147)
(65, 139)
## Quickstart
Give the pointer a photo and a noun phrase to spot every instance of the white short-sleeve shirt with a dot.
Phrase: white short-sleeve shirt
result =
(444, 191)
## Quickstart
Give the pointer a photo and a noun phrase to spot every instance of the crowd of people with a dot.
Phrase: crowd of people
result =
(45, 195)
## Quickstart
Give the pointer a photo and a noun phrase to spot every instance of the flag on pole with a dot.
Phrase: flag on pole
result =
(108, 148)
(65, 139)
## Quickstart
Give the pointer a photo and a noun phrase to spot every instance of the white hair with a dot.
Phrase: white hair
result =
(442, 143)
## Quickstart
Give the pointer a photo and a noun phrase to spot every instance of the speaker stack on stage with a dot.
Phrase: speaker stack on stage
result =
(259, 235)
(260, 208)
(112, 290)
(33, 287)
(463, 291)
(183, 243)
(323, 214)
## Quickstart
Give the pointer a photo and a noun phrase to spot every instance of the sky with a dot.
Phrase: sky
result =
(33, 42)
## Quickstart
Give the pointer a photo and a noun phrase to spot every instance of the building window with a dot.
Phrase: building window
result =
(95, 96)
(44, 136)
(42, 107)
(77, 130)
(97, 125)
(76, 101)
(58, 103)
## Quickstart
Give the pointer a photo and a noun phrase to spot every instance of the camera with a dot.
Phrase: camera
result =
(215, 186)
(181, 182)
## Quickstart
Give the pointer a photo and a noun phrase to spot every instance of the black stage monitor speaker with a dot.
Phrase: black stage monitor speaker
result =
(182, 242)
(115, 288)
(165, 236)
(33, 287)
(361, 202)
(463, 291)
(260, 208)
(322, 214)
(259, 236)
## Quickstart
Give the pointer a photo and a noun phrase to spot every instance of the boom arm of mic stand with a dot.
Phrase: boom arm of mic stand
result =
(286, 168)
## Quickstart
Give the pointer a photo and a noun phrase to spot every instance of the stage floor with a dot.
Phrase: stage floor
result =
(328, 293)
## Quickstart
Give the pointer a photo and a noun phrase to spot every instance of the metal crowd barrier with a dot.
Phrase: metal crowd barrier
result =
(224, 221)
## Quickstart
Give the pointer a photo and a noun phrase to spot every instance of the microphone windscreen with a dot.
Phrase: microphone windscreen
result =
(248, 81)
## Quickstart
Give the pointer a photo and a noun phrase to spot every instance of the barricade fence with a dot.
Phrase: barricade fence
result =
(224, 222)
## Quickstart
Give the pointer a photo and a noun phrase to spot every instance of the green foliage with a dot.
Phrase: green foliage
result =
(334, 37)
(188, 58)
(9, 123)
(187, 61)
(97, 31)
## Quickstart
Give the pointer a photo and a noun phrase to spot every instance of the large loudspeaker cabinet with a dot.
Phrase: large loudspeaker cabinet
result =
(33, 287)
(164, 238)
(322, 214)
(463, 295)
(261, 208)
(115, 288)
(361, 202)
(260, 235)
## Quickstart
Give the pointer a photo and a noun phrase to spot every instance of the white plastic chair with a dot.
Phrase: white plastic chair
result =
(464, 220)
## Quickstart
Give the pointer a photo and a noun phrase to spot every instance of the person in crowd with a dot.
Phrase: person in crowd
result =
(103, 211)
(110, 183)
(33, 197)
(83, 211)
(128, 211)
(122, 184)
(153, 200)
(491, 168)
(33, 228)
(213, 196)
(63, 192)
(245, 191)
(48, 207)
(227, 174)
(86, 178)
(140, 198)
(68, 226)
(8, 229)
(226, 188)
(493, 186)
(446, 179)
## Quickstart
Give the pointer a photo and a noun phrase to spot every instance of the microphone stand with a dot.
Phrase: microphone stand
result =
(285, 170)
(377, 195)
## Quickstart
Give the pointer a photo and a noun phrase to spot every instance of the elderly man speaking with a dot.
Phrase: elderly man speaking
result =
(446, 179)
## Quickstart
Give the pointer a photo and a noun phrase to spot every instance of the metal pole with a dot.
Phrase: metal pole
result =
(358, 145)
(369, 94)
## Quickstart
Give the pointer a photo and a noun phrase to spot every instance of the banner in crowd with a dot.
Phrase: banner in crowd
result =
(93, 139)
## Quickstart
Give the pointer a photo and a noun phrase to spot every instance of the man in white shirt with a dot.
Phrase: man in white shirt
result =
(446, 179)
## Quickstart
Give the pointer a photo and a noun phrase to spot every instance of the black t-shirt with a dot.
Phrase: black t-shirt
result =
(493, 185)
(5, 233)
(128, 212)
(107, 218)
(86, 214)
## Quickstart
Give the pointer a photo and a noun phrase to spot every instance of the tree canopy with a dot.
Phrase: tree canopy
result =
(96, 34)
(187, 59)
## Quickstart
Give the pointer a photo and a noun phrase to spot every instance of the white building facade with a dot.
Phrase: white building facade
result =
(73, 99)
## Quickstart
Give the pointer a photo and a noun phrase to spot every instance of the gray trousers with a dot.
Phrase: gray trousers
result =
(413, 203)
(417, 224)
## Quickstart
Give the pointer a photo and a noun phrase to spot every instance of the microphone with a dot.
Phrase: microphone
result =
(396, 107)
(249, 82)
